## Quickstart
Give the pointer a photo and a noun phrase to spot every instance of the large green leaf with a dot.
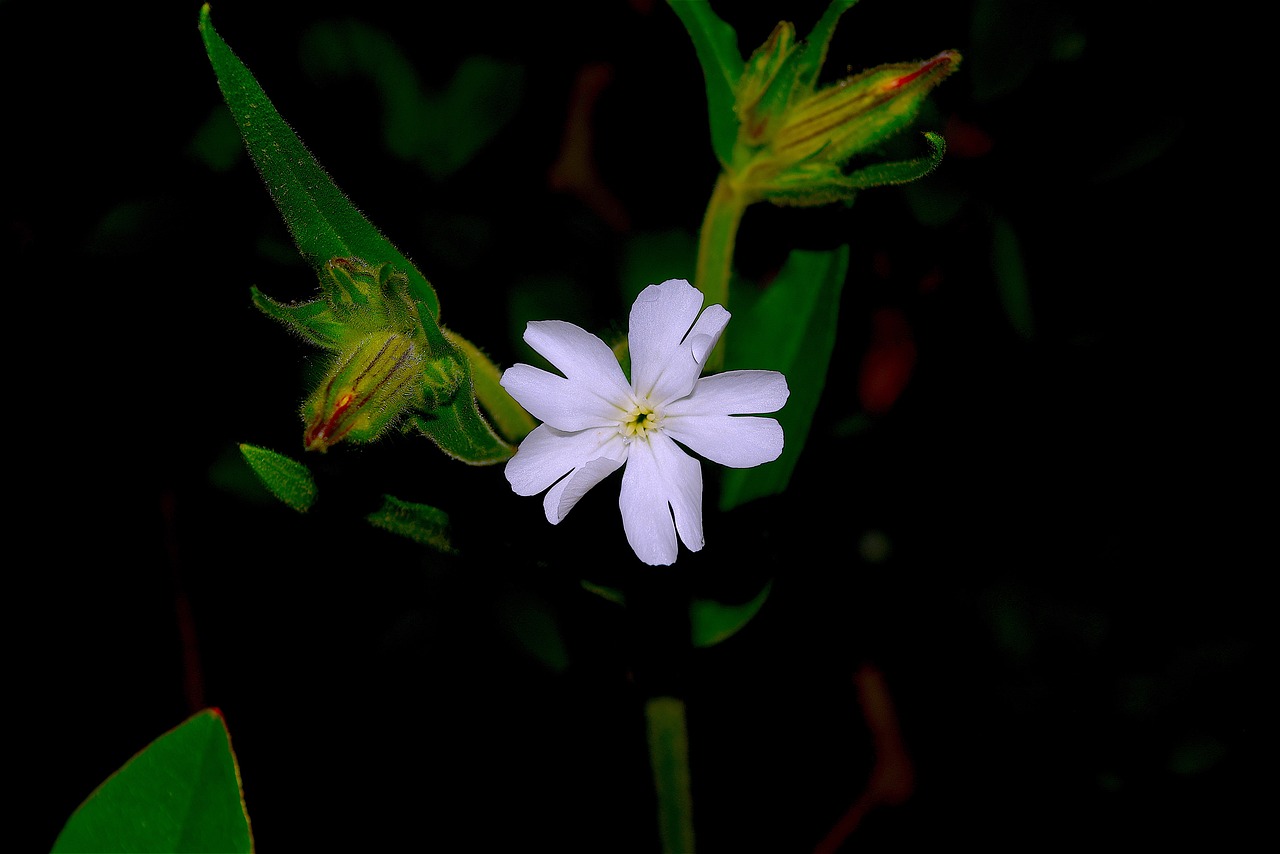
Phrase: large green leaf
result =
(716, 44)
(789, 327)
(181, 793)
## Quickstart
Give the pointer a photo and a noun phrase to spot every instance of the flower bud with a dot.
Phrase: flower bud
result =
(367, 389)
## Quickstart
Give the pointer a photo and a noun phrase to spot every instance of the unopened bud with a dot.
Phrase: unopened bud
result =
(365, 392)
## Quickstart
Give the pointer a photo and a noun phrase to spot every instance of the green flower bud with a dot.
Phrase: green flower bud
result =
(795, 141)
(365, 392)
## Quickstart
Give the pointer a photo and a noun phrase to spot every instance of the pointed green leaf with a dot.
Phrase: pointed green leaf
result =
(323, 221)
(181, 793)
(790, 327)
(716, 44)
(422, 523)
(713, 622)
(288, 479)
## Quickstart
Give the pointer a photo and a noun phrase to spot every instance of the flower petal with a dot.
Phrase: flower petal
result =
(738, 441)
(561, 498)
(547, 454)
(661, 479)
(568, 405)
(580, 356)
(734, 393)
(661, 317)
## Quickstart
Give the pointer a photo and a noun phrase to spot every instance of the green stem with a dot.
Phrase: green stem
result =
(669, 759)
(716, 242)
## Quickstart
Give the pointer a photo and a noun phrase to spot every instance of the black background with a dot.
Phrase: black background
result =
(1066, 614)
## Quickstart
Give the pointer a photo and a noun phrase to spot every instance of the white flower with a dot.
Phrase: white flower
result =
(594, 421)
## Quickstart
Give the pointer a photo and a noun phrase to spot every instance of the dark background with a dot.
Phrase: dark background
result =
(1039, 540)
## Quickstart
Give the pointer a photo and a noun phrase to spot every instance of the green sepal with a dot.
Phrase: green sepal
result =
(817, 183)
(180, 793)
(819, 40)
(286, 478)
(422, 523)
(767, 85)
(716, 45)
(313, 321)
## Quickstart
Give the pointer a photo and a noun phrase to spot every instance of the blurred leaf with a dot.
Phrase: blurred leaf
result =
(440, 132)
(217, 142)
(653, 257)
(288, 479)
(789, 327)
(609, 594)
(1196, 754)
(1010, 38)
(422, 523)
(713, 622)
(716, 44)
(1011, 277)
(181, 793)
(533, 625)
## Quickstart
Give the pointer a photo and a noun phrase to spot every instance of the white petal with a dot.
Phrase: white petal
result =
(734, 393)
(566, 404)
(661, 479)
(548, 454)
(660, 318)
(578, 355)
(681, 372)
(737, 441)
(561, 498)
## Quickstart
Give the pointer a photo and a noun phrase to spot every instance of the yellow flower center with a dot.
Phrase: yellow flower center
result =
(639, 422)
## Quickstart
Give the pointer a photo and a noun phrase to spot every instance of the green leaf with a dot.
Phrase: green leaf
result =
(716, 44)
(789, 327)
(1011, 277)
(713, 622)
(422, 523)
(288, 479)
(323, 221)
(181, 793)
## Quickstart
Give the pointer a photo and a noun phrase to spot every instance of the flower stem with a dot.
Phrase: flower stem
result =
(716, 242)
(669, 758)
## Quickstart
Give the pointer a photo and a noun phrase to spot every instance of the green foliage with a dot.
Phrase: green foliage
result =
(288, 479)
(422, 523)
(713, 622)
(791, 327)
(419, 125)
(179, 794)
(329, 230)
